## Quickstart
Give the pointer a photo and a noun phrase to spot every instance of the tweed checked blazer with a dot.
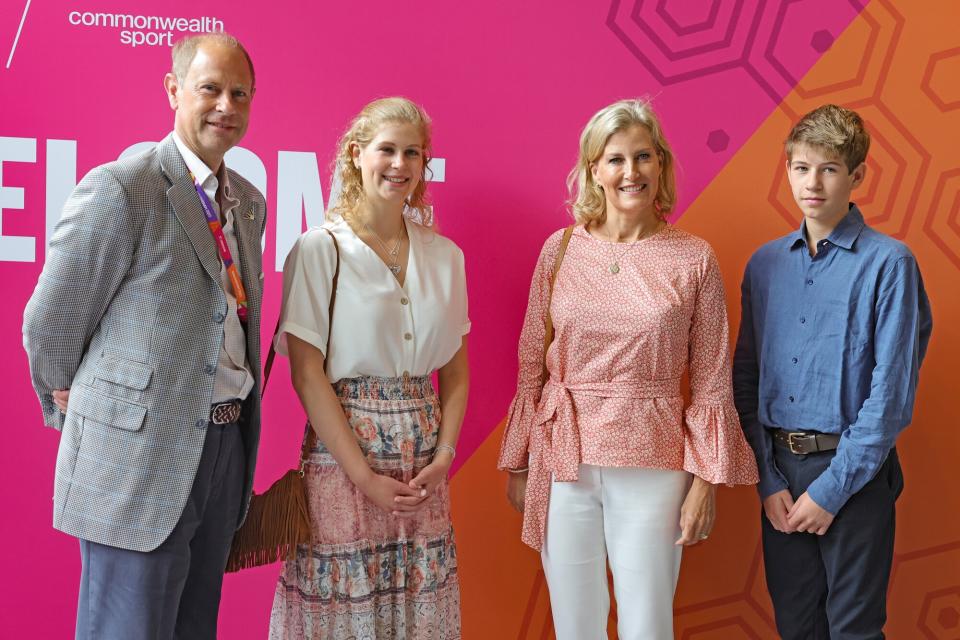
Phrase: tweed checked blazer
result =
(128, 314)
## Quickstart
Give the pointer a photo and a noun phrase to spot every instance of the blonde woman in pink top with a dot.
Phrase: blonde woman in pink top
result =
(606, 462)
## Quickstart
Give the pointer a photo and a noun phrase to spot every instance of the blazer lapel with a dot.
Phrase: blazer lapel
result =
(186, 205)
(247, 231)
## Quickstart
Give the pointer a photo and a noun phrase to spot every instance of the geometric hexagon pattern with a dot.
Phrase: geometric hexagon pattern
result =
(751, 36)
(898, 64)
(941, 79)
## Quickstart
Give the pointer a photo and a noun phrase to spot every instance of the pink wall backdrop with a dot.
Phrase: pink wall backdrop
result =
(509, 86)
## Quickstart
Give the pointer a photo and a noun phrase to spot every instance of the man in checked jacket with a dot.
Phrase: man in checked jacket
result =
(144, 352)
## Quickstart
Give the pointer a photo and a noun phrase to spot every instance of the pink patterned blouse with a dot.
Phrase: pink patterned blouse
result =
(621, 345)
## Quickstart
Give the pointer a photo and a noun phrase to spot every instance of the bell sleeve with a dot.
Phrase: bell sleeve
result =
(714, 446)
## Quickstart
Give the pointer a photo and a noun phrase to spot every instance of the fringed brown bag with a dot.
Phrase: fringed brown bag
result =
(278, 520)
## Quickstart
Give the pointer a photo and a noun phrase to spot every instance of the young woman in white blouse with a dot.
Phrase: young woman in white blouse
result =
(382, 562)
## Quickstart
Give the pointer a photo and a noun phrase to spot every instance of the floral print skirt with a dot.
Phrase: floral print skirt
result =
(369, 574)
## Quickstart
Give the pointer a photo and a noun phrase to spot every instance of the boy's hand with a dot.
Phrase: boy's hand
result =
(776, 506)
(807, 515)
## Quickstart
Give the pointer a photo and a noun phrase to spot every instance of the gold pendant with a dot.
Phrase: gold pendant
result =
(614, 268)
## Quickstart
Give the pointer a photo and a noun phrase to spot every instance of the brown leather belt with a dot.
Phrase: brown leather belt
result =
(804, 442)
(225, 412)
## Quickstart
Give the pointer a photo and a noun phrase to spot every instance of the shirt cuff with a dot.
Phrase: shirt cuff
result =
(52, 417)
(827, 494)
(771, 481)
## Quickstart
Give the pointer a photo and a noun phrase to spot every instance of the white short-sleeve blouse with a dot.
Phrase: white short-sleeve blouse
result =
(379, 327)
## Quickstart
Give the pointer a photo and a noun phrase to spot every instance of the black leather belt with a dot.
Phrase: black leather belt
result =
(225, 412)
(805, 442)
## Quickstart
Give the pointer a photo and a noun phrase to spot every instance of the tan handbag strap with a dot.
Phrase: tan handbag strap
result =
(548, 320)
(311, 438)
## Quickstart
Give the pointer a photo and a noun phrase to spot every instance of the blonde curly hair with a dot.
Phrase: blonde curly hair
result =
(361, 131)
(587, 201)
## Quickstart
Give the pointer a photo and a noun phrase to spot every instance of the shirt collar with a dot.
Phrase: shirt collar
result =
(843, 235)
(204, 175)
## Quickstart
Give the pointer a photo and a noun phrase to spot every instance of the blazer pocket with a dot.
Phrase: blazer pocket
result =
(126, 373)
(109, 411)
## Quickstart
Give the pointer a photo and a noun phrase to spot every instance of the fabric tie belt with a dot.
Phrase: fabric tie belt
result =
(555, 442)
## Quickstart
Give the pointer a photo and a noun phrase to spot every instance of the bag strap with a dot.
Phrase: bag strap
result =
(268, 365)
(548, 320)
(311, 438)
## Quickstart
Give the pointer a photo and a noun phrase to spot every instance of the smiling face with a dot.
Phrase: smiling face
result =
(628, 171)
(212, 102)
(821, 184)
(391, 165)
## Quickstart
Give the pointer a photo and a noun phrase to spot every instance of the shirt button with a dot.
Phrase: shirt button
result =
(794, 361)
(809, 281)
(408, 336)
(803, 320)
(404, 301)
(218, 317)
(209, 369)
(791, 398)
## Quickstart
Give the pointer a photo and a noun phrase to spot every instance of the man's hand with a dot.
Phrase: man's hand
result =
(806, 515)
(60, 398)
(776, 507)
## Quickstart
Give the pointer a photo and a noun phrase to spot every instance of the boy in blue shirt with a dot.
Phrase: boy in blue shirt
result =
(835, 323)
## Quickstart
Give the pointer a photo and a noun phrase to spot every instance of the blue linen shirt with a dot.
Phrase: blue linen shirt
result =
(830, 343)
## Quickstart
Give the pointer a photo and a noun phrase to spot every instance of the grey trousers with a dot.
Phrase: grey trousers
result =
(174, 590)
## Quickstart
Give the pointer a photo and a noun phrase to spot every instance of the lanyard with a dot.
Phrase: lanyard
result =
(217, 230)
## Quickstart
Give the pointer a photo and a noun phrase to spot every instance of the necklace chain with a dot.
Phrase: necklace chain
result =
(614, 266)
(393, 262)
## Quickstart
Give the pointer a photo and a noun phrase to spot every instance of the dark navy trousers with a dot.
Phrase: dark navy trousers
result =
(174, 590)
(834, 586)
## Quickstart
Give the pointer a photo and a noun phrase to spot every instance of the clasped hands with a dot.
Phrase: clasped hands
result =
(804, 515)
(405, 499)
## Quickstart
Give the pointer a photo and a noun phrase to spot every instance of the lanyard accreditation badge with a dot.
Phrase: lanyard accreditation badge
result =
(217, 230)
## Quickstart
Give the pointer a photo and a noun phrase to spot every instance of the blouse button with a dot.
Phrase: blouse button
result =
(408, 336)
(404, 301)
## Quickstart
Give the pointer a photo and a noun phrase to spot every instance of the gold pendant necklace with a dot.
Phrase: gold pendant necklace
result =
(614, 267)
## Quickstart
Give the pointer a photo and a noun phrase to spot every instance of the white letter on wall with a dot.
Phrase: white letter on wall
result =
(299, 196)
(61, 179)
(248, 165)
(15, 248)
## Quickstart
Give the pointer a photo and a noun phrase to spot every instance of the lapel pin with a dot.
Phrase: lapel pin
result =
(249, 215)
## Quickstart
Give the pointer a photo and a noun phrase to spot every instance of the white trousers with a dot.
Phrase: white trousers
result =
(626, 515)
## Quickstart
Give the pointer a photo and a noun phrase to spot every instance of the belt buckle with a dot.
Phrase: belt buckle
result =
(223, 412)
(790, 442)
